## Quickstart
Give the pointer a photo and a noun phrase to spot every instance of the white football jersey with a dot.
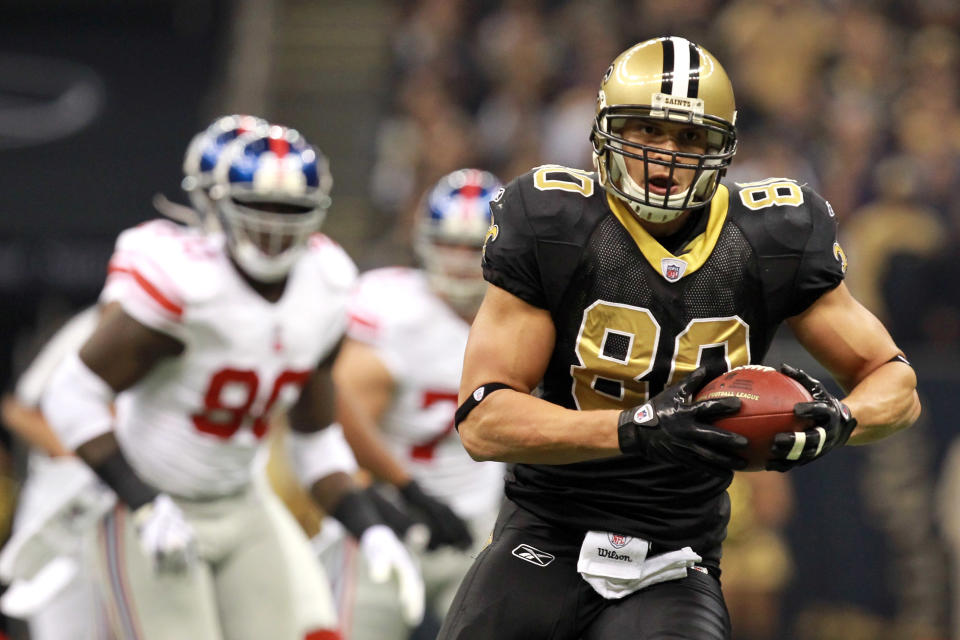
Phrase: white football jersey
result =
(191, 427)
(421, 341)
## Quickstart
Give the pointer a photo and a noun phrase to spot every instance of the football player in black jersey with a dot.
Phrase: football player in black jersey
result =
(616, 295)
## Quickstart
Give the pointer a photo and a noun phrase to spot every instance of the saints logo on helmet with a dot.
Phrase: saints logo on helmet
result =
(671, 80)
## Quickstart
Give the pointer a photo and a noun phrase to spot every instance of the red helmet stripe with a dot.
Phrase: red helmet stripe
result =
(279, 146)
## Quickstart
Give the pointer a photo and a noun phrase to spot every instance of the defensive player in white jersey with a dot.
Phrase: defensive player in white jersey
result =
(205, 335)
(58, 505)
(401, 361)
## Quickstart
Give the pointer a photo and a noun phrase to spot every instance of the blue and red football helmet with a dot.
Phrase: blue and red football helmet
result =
(271, 190)
(451, 226)
(202, 154)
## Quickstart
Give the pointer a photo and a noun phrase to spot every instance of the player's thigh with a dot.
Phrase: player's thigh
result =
(147, 605)
(523, 586)
(272, 585)
(73, 614)
(691, 608)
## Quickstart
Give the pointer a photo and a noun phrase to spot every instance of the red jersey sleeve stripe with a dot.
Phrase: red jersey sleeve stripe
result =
(364, 322)
(147, 286)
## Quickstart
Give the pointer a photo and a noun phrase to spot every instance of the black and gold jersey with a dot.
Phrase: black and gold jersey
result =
(631, 318)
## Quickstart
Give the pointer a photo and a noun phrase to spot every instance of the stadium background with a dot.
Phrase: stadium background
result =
(98, 99)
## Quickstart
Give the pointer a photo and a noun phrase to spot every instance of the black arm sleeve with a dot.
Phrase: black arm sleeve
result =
(117, 474)
(356, 512)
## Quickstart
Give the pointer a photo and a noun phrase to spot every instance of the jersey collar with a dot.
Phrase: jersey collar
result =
(673, 267)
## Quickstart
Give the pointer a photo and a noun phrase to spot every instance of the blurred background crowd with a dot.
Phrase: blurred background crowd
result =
(860, 99)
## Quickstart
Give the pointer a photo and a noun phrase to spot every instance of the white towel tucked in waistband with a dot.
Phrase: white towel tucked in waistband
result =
(616, 565)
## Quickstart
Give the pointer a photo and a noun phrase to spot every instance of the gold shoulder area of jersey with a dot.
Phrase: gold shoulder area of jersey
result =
(555, 177)
(781, 192)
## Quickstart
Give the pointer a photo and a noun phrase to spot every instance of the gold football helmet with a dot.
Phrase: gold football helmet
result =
(668, 79)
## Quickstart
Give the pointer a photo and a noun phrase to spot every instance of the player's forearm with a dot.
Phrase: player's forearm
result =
(362, 436)
(29, 424)
(104, 456)
(509, 426)
(884, 402)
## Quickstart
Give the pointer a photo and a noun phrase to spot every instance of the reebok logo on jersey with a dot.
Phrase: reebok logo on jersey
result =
(532, 555)
(672, 268)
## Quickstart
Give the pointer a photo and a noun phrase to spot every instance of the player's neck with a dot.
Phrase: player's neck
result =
(662, 229)
(270, 291)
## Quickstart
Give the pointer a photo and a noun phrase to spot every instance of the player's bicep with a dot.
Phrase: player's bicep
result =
(121, 350)
(510, 342)
(843, 336)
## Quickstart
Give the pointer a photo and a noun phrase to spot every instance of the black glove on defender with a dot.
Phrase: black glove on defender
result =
(446, 527)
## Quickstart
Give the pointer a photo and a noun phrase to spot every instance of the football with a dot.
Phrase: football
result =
(767, 398)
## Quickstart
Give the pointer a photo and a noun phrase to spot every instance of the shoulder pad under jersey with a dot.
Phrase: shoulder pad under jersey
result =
(541, 224)
(159, 268)
(794, 233)
(387, 300)
(331, 262)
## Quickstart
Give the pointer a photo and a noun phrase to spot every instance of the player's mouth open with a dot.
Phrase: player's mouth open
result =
(662, 185)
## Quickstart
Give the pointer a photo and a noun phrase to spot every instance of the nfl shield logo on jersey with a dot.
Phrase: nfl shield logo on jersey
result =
(672, 268)
(618, 541)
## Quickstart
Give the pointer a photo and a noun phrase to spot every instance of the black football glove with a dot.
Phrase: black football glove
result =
(832, 425)
(446, 527)
(673, 428)
(392, 515)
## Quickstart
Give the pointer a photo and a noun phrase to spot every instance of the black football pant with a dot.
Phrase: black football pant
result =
(524, 586)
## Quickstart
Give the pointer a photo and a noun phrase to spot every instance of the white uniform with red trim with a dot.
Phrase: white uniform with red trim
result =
(51, 498)
(193, 425)
(421, 341)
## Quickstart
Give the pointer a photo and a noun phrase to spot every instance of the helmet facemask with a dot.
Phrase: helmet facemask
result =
(266, 238)
(453, 272)
(611, 148)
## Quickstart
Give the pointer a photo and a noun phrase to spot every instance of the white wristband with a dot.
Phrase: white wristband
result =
(77, 402)
(317, 455)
